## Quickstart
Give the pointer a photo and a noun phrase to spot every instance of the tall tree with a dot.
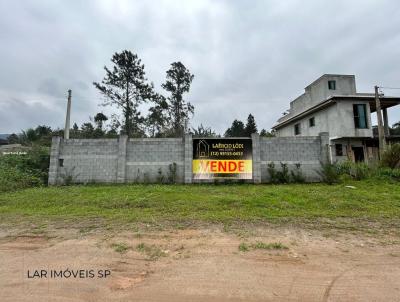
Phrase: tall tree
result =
(265, 133)
(177, 83)
(114, 124)
(237, 129)
(43, 131)
(204, 131)
(157, 118)
(251, 126)
(126, 86)
(87, 130)
(13, 139)
(74, 132)
(28, 136)
(99, 119)
(75, 127)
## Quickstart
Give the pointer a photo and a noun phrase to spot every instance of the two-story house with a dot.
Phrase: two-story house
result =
(331, 104)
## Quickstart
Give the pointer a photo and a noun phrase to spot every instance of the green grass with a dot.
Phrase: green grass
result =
(372, 200)
(244, 247)
(151, 251)
(120, 247)
(268, 246)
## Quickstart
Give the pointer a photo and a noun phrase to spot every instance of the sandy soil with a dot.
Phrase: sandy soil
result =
(200, 265)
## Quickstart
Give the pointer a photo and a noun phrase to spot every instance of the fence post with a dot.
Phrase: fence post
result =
(188, 157)
(54, 159)
(256, 158)
(121, 160)
(325, 150)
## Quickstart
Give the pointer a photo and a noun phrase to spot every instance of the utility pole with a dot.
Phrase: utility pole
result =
(381, 133)
(68, 116)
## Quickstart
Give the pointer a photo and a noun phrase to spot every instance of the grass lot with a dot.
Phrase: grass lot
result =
(371, 200)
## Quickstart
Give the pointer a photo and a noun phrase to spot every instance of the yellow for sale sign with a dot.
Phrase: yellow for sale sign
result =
(222, 158)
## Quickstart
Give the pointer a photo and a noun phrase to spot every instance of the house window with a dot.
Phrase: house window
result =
(61, 162)
(339, 149)
(332, 85)
(360, 116)
(297, 129)
(311, 122)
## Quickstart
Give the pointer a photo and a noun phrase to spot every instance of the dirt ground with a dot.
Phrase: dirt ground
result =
(203, 264)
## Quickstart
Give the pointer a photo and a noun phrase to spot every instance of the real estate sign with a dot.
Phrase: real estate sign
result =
(222, 158)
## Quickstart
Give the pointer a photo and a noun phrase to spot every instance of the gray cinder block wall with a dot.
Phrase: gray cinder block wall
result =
(126, 160)
(308, 151)
(148, 159)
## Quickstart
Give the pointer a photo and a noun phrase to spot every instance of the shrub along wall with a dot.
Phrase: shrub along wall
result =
(170, 159)
(18, 171)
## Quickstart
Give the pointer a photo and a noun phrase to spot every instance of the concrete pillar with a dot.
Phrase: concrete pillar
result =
(188, 153)
(385, 122)
(255, 138)
(68, 116)
(325, 150)
(54, 160)
(121, 161)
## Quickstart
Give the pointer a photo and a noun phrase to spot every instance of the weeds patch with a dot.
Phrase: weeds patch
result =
(244, 247)
(268, 246)
(153, 252)
(120, 247)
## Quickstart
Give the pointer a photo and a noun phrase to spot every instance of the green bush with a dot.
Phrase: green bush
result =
(283, 176)
(359, 171)
(172, 172)
(356, 171)
(272, 172)
(22, 171)
(391, 157)
(329, 173)
(11, 178)
(297, 174)
(391, 173)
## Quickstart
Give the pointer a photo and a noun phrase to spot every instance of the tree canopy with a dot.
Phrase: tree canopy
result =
(177, 83)
(251, 126)
(203, 131)
(126, 87)
(237, 129)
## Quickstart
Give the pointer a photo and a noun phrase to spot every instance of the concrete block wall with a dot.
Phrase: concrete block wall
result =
(146, 157)
(256, 158)
(306, 151)
(142, 159)
(86, 160)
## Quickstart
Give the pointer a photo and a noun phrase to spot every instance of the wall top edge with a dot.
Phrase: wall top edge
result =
(151, 139)
(236, 137)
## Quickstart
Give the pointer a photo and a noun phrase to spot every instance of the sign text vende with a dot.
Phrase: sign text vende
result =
(222, 166)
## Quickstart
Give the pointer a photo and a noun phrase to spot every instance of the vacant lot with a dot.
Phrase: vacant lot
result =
(311, 242)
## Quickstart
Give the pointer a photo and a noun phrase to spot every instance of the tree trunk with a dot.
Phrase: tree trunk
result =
(127, 111)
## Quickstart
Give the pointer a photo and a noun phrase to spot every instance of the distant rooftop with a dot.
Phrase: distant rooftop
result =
(331, 75)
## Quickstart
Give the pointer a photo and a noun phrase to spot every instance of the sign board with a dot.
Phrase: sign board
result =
(222, 158)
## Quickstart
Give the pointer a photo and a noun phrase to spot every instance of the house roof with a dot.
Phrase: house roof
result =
(330, 75)
(386, 102)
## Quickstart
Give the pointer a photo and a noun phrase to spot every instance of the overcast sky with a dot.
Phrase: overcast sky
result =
(247, 56)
